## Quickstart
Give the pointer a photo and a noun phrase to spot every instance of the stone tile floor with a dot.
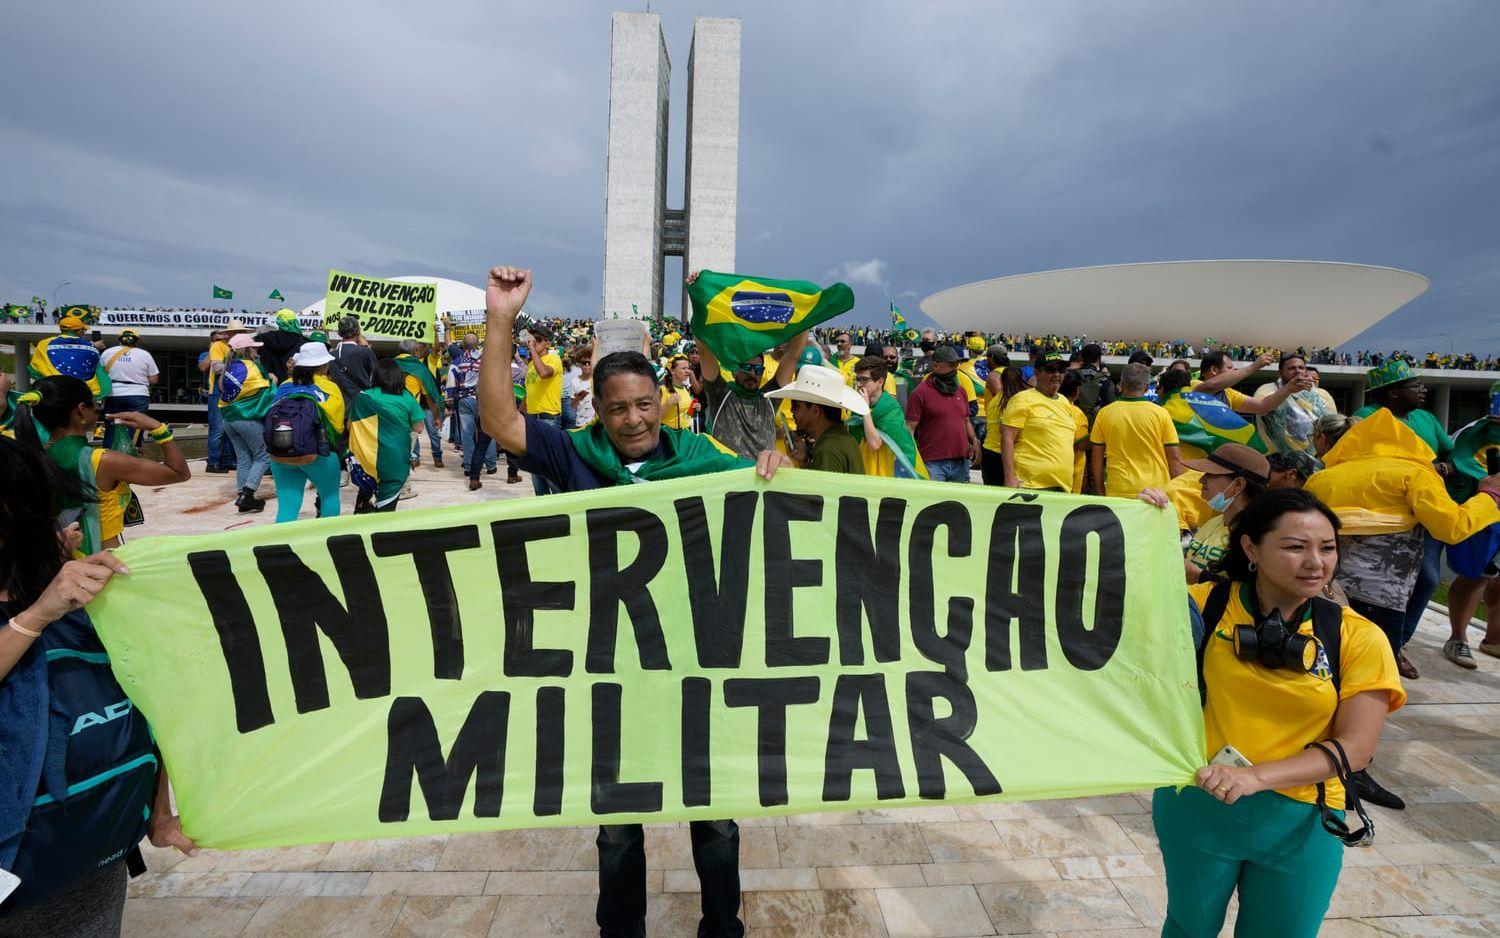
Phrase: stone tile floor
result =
(1083, 866)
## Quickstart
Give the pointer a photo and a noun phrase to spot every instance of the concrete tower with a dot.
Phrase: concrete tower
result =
(639, 229)
(635, 174)
(711, 190)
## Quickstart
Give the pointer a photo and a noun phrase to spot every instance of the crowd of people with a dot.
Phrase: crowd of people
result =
(1312, 540)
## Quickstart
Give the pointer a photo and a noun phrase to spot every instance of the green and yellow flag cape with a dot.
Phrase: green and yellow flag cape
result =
(244, 390)
(379, 441)
(70, 355)
(740, 317)
(1471, 451)
(417, 370)
(682, 453)
(897, 458)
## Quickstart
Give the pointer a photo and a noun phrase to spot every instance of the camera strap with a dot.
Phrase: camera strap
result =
(1332, 823)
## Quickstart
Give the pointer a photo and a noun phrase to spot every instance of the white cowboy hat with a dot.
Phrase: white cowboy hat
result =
(822, 385)
(236, 325)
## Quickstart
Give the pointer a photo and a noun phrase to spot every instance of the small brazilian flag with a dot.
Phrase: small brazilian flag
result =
(898, 321)
(222, 294)
(740, 317)
(275, 295)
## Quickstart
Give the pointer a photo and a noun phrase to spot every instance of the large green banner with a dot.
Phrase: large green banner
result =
(710, 647)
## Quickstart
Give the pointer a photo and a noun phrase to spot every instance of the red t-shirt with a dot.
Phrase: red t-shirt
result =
(942, 422)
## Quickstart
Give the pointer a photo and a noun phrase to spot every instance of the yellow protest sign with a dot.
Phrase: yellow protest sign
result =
(386, 309)
(707, 647)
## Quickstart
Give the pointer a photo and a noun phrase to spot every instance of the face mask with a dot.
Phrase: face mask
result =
(947, 384)
(1220, 503)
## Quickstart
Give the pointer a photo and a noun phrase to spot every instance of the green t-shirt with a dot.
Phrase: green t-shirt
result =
(1424, 425)
(837, 451)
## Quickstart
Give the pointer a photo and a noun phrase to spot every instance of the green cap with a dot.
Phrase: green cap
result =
(1392, 372)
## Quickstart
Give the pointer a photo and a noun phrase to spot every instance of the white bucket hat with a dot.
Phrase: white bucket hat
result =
(311, 355)
(822, 385)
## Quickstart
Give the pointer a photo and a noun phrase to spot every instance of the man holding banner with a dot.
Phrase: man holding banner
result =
(627, 444)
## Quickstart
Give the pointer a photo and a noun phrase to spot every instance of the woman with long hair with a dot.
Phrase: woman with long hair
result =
(74, 805)
(1296, 690)
(677, 395)
(1002, 385)
(57, 417)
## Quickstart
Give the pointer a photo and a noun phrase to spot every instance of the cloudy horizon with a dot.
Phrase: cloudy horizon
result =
(156, 150)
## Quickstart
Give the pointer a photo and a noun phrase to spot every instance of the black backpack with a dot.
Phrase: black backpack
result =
(1327, 621)
(294, 427)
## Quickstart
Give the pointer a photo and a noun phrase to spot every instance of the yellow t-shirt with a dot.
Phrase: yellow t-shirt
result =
(677, 408)
(847, 368)
(1080, 454)
(1270, 714)
(1209, 543)
(1044, 447)
(217, 352)
(1133, 432)
(544, 395)
(1186, 493)
(992, 411)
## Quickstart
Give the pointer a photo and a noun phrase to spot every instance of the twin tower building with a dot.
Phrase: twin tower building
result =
(640, 231)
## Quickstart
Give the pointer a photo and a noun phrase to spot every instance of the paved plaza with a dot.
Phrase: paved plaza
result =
(1082, 866)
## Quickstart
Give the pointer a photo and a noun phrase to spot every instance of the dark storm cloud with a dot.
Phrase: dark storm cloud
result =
(154, 149)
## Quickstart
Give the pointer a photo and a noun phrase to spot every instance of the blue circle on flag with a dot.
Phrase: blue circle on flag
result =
(752, 306)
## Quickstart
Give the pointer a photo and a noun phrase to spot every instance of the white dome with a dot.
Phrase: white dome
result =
(451, 295)
(1282, 304)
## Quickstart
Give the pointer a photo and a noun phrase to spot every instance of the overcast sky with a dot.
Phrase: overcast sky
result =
(153, 149)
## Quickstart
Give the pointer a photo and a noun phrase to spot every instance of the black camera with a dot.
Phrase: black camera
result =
(1275, 646)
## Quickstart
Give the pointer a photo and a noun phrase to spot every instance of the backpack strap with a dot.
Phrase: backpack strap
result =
(1328, 628)
(1213, 611)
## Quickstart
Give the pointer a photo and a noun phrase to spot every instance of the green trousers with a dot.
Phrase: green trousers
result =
(1272, 849)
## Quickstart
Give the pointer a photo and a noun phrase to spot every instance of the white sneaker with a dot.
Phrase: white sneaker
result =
(406, 492)
(1458, 653)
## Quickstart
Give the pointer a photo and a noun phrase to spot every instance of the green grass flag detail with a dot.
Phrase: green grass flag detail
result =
(706, 647)
(740, 317)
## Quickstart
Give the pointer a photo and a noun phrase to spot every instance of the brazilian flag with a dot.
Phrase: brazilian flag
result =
(420, 378)
(740, 317)
(73, 356)
(89, 314)
(380, 437)
(897, 458)
(17, 312)
(222, 294)
(1472, 447)
(1204, 422)
(898, 321)
(244, 390)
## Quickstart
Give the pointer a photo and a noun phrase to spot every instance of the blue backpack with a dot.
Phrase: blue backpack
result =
(87, 774)
(294, 425)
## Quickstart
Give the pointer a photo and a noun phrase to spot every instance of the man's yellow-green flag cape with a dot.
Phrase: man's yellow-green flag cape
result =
(739, 317)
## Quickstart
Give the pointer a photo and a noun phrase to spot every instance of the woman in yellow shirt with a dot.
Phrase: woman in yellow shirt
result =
(94, 484)
(1265, 828)
(1001, 385)
(677, 395)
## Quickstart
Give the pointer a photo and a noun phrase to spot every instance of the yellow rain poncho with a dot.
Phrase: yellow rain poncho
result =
(1379, 479)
